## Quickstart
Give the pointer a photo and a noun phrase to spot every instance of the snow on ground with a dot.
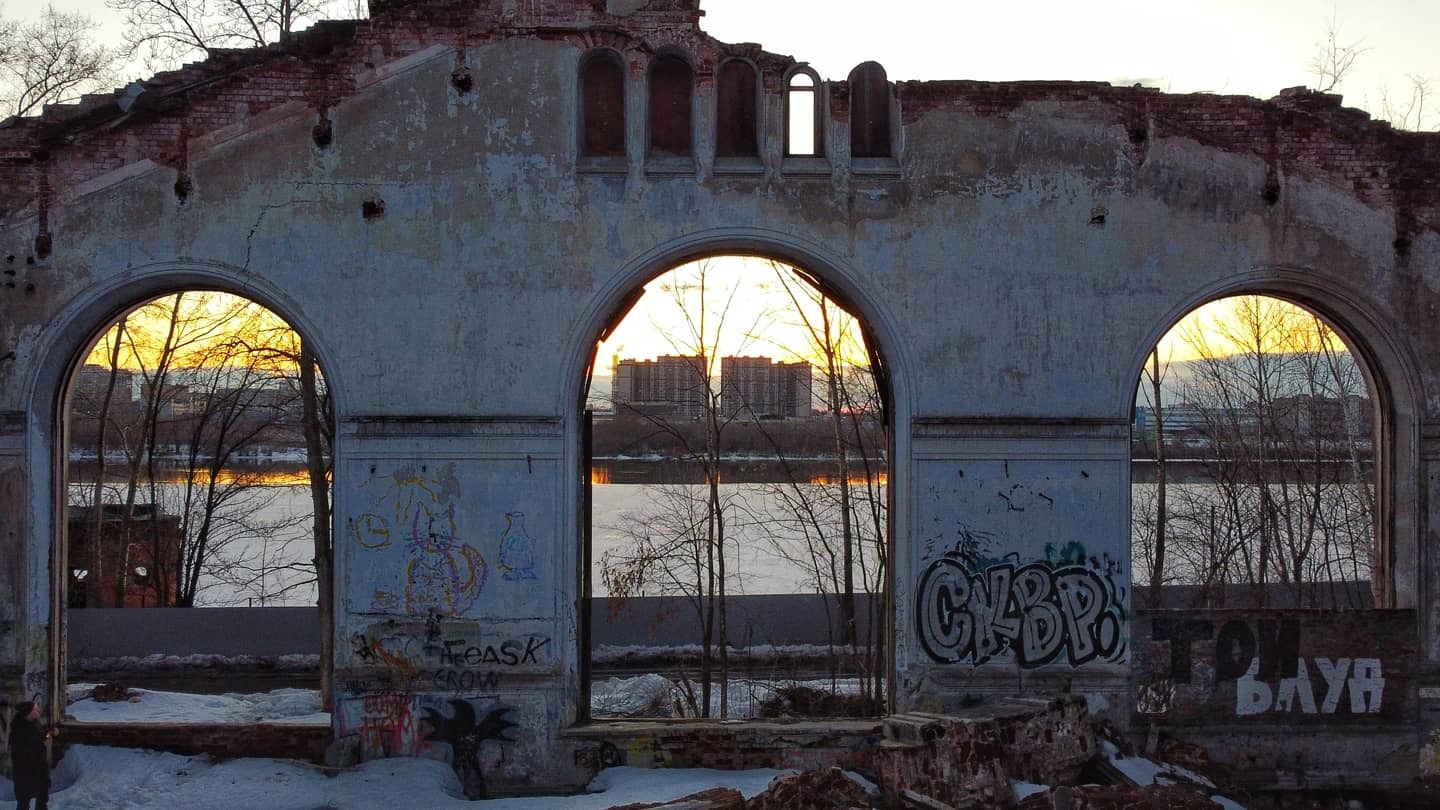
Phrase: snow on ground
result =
(95, 778)
(1146, 772)
(152, 706)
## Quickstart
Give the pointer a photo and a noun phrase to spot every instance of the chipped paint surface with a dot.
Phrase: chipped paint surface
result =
(452, 258)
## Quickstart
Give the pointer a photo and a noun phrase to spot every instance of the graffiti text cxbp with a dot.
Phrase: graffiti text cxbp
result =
(1035, 611)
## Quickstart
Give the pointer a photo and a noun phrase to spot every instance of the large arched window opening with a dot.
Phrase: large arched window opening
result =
(197, 474)
(738, 540)
(672, 84)
(1255, 480)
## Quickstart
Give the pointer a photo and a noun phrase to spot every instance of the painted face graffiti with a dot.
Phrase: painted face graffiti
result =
(1032, 612)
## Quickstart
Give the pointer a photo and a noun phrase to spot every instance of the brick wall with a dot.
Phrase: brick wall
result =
(289, 741)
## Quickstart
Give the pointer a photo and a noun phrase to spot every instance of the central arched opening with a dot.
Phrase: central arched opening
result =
(737, 519)
(196, 543)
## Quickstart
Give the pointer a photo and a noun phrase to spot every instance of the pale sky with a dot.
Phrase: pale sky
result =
(1251, 47)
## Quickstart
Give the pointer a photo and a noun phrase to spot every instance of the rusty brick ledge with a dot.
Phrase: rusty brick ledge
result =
(223, 741)
(732, 745)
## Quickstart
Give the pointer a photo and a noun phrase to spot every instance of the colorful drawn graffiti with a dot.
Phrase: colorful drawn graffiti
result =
(517, 553)
(444, 574)
(1033, 612)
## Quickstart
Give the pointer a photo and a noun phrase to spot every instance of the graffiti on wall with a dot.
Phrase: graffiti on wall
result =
(419, 514)
(1065, 608)
(454, 730)
(450, 657)
(1263, 662)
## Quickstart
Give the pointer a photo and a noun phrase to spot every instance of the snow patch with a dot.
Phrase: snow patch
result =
(297, 706)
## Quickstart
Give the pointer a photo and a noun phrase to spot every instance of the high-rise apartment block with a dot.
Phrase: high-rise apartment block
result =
(668, 385)
(762, 388)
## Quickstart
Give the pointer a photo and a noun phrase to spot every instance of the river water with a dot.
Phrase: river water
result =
(264, 557)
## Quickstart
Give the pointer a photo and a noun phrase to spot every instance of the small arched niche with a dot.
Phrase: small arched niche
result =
(737, 110)
(869, 111)
(1256, 436)
(737, 499)
(672, 87)
(602, 98)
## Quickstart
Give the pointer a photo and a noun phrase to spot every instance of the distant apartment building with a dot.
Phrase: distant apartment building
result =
(92, 382)
(761, 388)
(669, 385)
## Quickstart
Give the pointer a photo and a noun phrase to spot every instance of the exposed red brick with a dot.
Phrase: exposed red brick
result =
(828, 789)
(713, 799)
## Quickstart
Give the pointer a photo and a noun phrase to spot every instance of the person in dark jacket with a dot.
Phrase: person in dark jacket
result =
(29, 761)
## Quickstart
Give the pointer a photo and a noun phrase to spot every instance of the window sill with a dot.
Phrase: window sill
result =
(739, 166)
(806, 166)
(670, 166)
(876, 167)
(608, 164)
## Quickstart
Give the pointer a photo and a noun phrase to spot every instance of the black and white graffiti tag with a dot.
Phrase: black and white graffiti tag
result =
(1033, 611)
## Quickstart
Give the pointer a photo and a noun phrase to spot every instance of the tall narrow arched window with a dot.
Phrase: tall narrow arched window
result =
(735, 123)
(602, 92)
(869, 111)
(802, 115)
(671, 86)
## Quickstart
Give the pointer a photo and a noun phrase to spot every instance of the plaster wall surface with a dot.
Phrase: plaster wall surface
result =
(452, 259)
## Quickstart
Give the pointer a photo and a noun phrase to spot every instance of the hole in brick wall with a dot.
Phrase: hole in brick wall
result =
(183, 186)
(1270, 192)
(29, 286)
(43, 244)
(322, 133)
(460, 79)
(1097, 217)
(9, 272)
(1138, 135)
(1402, 247)
(10, 258)
(373, 208)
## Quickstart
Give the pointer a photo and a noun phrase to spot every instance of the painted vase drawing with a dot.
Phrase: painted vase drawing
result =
(517, 553)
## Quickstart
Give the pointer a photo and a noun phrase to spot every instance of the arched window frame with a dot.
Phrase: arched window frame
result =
(871, 132)
(817, 136)
(687, 154)
(586, 149)
(724, 114)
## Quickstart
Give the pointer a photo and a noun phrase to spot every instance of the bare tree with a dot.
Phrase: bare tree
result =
(1278, 407)
(213, 388)
(1408, 110)
(52, 59)
(171, 31)
(825, 518)
(1334, 57)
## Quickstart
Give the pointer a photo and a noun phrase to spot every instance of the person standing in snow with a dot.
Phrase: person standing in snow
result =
(28, 758)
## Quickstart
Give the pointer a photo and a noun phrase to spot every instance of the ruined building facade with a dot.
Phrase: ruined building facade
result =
(452, 200)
